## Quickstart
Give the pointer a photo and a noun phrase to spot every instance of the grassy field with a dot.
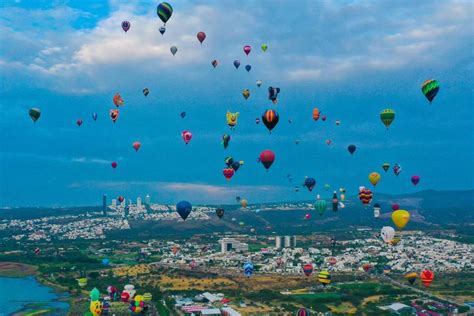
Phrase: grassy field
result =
(14, 269)
(202, 284)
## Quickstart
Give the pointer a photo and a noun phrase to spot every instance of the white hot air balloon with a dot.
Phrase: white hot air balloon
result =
(387, 234)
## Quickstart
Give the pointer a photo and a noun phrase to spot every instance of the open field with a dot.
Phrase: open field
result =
(15, 269)
(201, 284)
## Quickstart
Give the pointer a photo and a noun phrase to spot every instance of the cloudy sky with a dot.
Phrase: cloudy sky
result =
(351, 59)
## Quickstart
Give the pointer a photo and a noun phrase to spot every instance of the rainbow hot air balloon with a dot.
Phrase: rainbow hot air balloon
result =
(415, 180)
(400, 218)
(374, 178)
(247, 49)
(125, 26)
(201, 36)
(430, 89)
(187, 136)
(270, 118)
(34, 113)
(324, 277)
(184, 208)
(387, 116)
(426, 277)
(267, 157)
(308, 269)
(164, 11)
(411, 277)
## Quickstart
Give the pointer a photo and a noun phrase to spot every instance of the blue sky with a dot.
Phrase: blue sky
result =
(351, 59)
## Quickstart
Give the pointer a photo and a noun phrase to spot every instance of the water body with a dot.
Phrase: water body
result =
(19, 293)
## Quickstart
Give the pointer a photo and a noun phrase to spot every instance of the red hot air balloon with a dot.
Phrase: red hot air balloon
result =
(267, 157)
(308, 269)
(136, 146)
(228, 173)
(186, 135)
(114, 165)
(121, 199)
(79, 122)
(367, 267)
(426, 277)
(247, 49)
(365, 195)
(415, 180)
(395, 206)
(332, 261)
(201, 36)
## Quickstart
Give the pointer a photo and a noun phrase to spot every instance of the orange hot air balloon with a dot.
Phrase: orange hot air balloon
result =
(175, 250)
(316, 114)
(117, 99)
(136, 146)
(426, 277)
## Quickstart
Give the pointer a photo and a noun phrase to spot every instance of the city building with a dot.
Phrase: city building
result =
(104, 205)
(231, 244)
(278, 240)
(290, 241)
(114, 203)
(147, 200)
(139, 201)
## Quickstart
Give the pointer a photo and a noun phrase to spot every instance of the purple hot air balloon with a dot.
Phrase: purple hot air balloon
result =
(236, 64)
(247, 49)
(201, 36)
(415, 180)
(125, 26)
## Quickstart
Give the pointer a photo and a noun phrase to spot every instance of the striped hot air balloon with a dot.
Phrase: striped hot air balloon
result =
(411, 277)
(426, 277)
(387, 116)
(316, 114)
(303, 312)
(430, 89)
(164, 11)
(324, 277)
(365, 195)
(308, 269)
(270, 118)
(248, 269)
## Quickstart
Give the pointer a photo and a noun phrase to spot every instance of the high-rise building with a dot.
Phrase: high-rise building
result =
(147, 200)
(139, 201)
(278, 242)
(290, 241)
(126, 211)
(231, 244)
(104, 205)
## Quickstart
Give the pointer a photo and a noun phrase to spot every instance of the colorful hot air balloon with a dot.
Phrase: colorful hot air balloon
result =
(273, 94)
(184, 208)
(309, 183)
(264, 47)
(173, 50)
(385, 167)
(374, 178)
(335, 202)
(397, 169)
(225, 140)
(232, 118)
(248, 67)
(187, 136)
(117, 99)
(125, 26)
(95, 307)
(411, 277)
(247, 49)
(400, 218)
(114, 165)
(175, 249)
(430, 89)
(395, 206)
(229, 161)
(201, 36)
(34, 113)
(415, 180)
(332, 261)
(270, 118)
(162, 30)
(236, 64)
(248, 269)
(259, 83)
(105, 262)
(246, 93)
(114, 114)
(387, 116)
(228, 173)
(164, 11)
(267, 157)
(303, 312)
(136, 145)
(387, 233)
(324, 277)
(308, 269)
(220, 212)
(79, 122)
(365, 195)
(327, 187)
(214, 63)
(320, 205)
(426, 277)
(351, 148)
(376, 210)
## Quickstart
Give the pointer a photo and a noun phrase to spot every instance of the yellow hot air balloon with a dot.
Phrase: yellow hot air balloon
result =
(400, 218)
(95, 308)
(324, 277)
(374, 178)
(243, 203)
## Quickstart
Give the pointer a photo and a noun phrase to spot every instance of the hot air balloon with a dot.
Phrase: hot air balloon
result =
(94, 116)
(411, 277)
(201, 36)
(125, 26)
(395, 206)
(248, 67)
(192, 264)
(327, 187)
(117, 99)
(335, 202)
(137, 304)
(385, 167)
(95, 307)
(328, 142)
(236, 165)
(228, 173)
(387, 116)
(320, 205)
(430, 89)
(114, 114)
(415, 180)
(332, 261)
(323, 118)
(182, 114)
(225, 140)
(387, 233)
(351, 148)
(125, 296)
(273, 94)
(175, 249)
(94, 294)
(307, 216)
(397, 169)
(303, 312)
(248, 269)
(105, 262)
(343, 193)
(246, 93)
(187, 136)
(387, 269)
(257, 121)
(34, 113)
(267, 157)
(374, 178)
(220, 212)
(367, 267)
(426, 277)
(164, 11)
(145, 92)
(162, 30)
(136, 145)
(365, 195)
(247, 49)
(259, 83)
(112, 291)
(232, 118)
(316, 114)
(173, 50)
(270, 118)
(309, 183)
(236, 64)
(120, 198)
(79, 122)
(243, 203)
(376, 210)
(338, 122)
(82, 282)
(324, 278)
(229, 161)
(400, 218)
(214, 63)
(264, 47)
(184, 208)
(308, 269)
(37, 251)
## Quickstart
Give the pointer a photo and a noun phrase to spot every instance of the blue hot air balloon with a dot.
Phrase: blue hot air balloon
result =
(184, 208)
(248, 67)
(94, 116)
(309, 183)
(236, 64)
(105, 262)
(351, 148)
(248, 269)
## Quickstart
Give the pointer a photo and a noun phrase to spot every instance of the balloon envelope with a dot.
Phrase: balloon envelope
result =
(164, 11)
(247, 49)
(400, 218)
(351, 148)
(415, 180)
(267, 157)
(430, 89)
(184, 209)
(236, 64)
(173, 50)
(125, 26)
(34, 114)
(201, 36)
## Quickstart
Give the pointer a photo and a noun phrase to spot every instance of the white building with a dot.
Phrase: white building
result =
(139, 201)
(290, 241)
(114, 203)
(278, 240)
(231, 244)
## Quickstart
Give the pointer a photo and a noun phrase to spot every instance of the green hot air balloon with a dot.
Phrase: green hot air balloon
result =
(164, 11)
(430, 89)
(34, 114)
(264, 47)
(320, 205)
(387, 116)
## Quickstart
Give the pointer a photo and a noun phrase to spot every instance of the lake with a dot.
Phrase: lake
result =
(19, 293)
